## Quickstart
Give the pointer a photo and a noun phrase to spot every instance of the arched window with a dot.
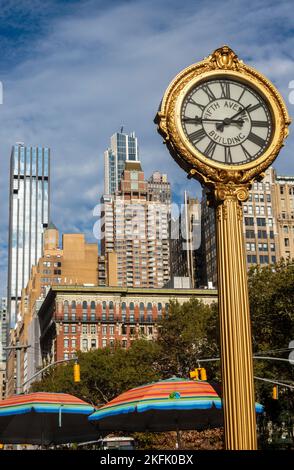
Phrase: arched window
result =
(65, 310)
(73, 310)
(149, 312)
(159, 311)
(123, 311)
(93, 311)
(141, 312)
(104, 310)
(85, 310)
(111, 311)
(132, 312)
(166, 309)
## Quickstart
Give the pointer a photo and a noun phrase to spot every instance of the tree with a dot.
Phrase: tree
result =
(105, 373)
(188, 333)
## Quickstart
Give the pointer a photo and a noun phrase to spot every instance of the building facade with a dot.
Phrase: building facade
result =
(3, 343)
(123, 147)
(85, 318)
(136, 229)
(159, 188)
(29, 213)
(268, 224)
(186, 240)
(75, 263)
(283, 200)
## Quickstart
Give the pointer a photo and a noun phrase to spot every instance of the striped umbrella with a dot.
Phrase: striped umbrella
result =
(45, 418)
(166, 405)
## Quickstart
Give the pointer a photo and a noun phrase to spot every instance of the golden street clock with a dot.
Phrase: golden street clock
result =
(223, 120)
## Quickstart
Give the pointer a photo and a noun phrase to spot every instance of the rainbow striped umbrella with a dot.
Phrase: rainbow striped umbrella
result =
(166, 405)
(45, 418)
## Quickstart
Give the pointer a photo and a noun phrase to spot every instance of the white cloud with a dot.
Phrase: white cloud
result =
(98, 68)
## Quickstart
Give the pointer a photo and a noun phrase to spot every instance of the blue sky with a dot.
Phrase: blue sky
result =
(73, 72)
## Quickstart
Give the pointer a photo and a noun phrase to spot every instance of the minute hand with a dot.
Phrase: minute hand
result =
(228, 121)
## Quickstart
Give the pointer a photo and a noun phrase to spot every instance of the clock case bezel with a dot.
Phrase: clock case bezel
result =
(223, 63)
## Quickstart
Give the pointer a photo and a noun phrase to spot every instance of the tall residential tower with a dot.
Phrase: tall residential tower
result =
(123, 148)
(29, 203)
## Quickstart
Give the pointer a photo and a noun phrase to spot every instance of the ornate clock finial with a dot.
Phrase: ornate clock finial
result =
(225, 58)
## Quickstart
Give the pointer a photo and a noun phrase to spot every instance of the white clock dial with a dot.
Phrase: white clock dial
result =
(227, 121)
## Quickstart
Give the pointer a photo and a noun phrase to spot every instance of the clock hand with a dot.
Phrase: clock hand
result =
(227, 121)
(199, 120)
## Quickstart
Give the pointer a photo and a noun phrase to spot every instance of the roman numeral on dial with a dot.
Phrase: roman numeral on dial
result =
(201, 106)
(209, 92)
(197, 135)
(209, 151)
(253, 108)
(259, 124)
(226, 93)
(228, 155)
(256, 139)
(248, 156)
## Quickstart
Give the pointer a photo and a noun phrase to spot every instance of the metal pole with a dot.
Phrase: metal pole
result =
(235, 328)
(18, 369)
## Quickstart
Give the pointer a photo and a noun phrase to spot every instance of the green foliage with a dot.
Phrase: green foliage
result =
(105, 373)
(188, 333)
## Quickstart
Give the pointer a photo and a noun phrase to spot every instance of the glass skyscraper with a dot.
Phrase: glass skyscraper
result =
(28, 216)
(123, 147)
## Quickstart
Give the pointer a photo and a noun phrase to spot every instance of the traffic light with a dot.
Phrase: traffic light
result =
(77, 372)
(198, 374)
(275, 393)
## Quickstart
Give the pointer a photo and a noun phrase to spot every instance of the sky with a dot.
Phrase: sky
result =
(73, 72)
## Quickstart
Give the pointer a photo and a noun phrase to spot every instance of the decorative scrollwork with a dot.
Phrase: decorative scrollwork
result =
(209, 173)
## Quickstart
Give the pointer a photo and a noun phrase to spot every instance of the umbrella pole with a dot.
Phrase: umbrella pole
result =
(178, 439)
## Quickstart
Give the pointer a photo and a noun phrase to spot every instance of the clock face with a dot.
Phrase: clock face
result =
(227, 121)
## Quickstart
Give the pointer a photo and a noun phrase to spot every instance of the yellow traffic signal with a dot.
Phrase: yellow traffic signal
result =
(198, 374)
(77, 373)
(275, 392)
(194, 374)
(203, 375)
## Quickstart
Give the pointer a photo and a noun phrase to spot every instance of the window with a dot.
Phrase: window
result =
(285, 229)
(249, 221)
(104, 330)
(65, 343)
(268, 198)
(85, 345)
(93, 329)
(261, 234)
(281, 189)
(73, 343)
(85, 329)
(65, 310)
(93, 311)
(132, 312)
(149, 312)
(124, 343)
(73, 328)
(286, 240)
(124, 329)
(123, 311)
(73, 310)
(111, 330)
(159, 311)
(272, 245)
(93, 343)
(111, 343)
(111, 311)
(85, 310)
(141, 312)
(250, 234)
(66, 356)
(261, 222)
(65, 329)
(104, 310)
(150, 330)
(251, 259)
(104, 343)
(263, 259)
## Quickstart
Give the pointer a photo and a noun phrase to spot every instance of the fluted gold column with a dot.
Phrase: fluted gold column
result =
(235, 329)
